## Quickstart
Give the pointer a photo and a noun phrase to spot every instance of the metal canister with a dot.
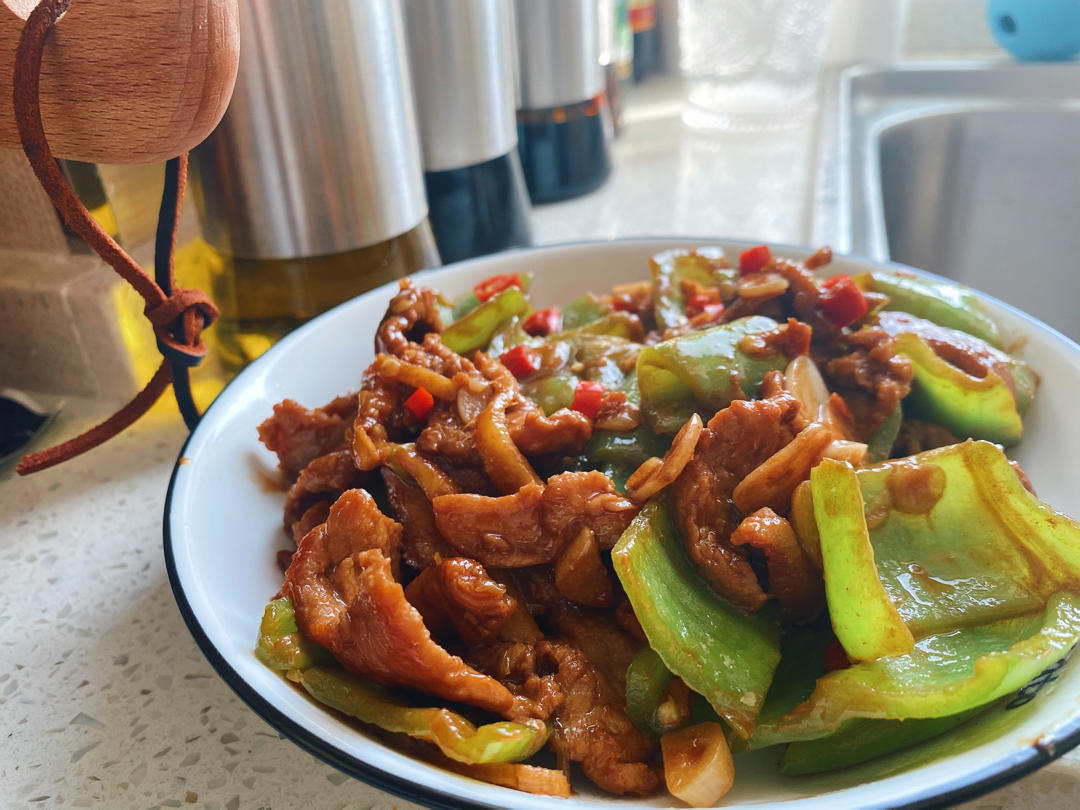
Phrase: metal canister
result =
(463, 70)
(563, 118)
(559, 48)
(310, 190)
(318, 151)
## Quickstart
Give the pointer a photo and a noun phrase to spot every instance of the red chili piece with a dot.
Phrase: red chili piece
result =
(543, 322)
(752, 260)
(841, 301)
(704, 302)
(495, 285)
(587, 398)
(419, 404)
(714, 310)
(519, 360)
(697, 302)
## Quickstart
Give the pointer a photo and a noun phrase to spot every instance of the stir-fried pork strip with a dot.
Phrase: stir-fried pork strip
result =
(871, 377)
(457, 594)
(300, 435)
(347, 599)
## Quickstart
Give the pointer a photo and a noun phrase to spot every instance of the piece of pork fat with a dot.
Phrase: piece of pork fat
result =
(299, 435)
(347, 599)
(325, 478)
(457, 595)
(533, 525)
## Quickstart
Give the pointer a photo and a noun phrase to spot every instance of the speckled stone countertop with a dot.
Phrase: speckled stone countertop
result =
(105, 699)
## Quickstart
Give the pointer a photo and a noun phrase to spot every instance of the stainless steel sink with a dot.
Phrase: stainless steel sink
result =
(968, 170)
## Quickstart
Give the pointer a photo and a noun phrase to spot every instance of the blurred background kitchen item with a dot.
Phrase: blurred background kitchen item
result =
(646, 37)
(751, 64)
(563, 120)
(1036, 30)
(310, 190)
(462, 60)
(866, 31)
(616, 54)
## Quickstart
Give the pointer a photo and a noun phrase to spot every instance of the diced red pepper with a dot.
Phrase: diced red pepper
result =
(697, 302)
(587, 398)
(419, 404)
(714, 311)
(841, 301)
(543, 322)
(519, 360)
(835, 657)
(496, 284)
(753, 260)
(704, 307)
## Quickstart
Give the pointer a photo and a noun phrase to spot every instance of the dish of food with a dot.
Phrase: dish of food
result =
(596, 547)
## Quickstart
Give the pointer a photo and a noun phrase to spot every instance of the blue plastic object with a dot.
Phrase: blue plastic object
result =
(1036, 30)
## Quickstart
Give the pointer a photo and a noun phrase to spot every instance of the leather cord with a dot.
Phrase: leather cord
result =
(177, 315)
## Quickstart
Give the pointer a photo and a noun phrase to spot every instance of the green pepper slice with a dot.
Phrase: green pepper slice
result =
(455, 736)
(865, 620)
(981, 572)
(583, 310)
(280, 645)
(475, 330)
(970, 407)
(702, 372)
(721, 653)
(950, 305)
(671, 268)
(865, 740)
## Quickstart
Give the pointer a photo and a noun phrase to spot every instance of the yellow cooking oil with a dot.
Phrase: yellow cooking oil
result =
(193, 265)
(261, 300)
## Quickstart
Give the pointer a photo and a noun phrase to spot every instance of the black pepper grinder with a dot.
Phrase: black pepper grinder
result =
(462, 60)
(563, 118)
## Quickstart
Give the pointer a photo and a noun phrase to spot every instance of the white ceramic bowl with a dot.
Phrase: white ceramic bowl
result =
(222, 527)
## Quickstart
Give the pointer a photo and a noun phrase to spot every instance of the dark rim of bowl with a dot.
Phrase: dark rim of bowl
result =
(973, 784)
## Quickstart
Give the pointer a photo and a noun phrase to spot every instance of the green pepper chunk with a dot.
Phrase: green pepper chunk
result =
(702, 372)
(280, 645)
(721, 653)
(962, 382)
(628, 450)
(508, 335)
(553, 392)
(865, 740)
(475, 330)
(583, 310)
(616, 324)
(865, 620)
(455, 736)
(670, 269)
(979, 408)
(646, 680)
(950, 305)
(879, 445)
(981, 572)
(958, 540)
(944, 675)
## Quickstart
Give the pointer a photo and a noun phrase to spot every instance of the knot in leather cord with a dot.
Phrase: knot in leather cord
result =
(185, 312)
